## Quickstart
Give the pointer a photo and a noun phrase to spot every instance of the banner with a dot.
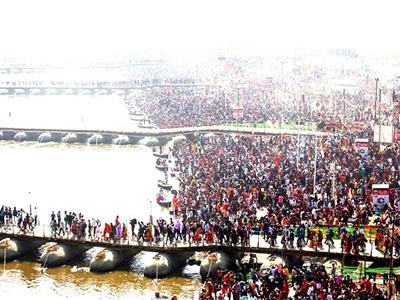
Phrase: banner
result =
(386, 134)
(380, 196)
(361, 146)
(238, 111)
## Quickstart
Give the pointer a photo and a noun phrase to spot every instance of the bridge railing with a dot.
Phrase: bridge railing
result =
(94, 84)
(68, 84)
(256, 241)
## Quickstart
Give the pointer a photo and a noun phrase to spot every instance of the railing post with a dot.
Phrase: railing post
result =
(370, 242)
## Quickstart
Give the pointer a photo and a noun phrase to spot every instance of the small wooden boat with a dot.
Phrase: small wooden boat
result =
(136, 118)
(162, 201)
(162, 167)
(149, 126)
(164, 185)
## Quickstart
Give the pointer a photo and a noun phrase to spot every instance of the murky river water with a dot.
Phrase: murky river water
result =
(101, 182)
(25, 280)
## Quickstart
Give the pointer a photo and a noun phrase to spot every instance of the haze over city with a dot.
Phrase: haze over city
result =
(202, 150)
(57, 30)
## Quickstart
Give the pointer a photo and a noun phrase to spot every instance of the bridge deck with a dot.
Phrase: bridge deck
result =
(172, 131)
(257, 245)
(94, 86)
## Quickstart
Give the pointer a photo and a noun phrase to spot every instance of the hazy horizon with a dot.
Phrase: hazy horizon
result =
(60, 30)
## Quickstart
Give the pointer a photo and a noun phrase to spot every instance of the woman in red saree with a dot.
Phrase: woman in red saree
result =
(124, 232)
(197, 235)
(107, 231)
(210, 236)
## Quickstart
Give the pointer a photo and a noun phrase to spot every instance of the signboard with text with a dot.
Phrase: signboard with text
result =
(361, 146)
(380, 195)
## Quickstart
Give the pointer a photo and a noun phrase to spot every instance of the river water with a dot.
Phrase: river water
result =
(100, 181)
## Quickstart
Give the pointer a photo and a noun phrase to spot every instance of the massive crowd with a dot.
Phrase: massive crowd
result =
(226, 179)
(237, 93)
(235, 186)
(286, 189)
(275, 282)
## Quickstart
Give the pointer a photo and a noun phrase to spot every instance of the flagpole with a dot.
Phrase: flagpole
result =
(376, 97)
(315, 164)
(151, 212)
(298, 136)
(379, 117)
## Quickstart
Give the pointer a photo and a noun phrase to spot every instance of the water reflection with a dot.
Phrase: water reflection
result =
(66, 282)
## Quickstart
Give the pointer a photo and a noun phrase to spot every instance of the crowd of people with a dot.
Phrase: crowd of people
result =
(235, 186)
(237, 92)
(182, 106)
(285, 190)
(75, 225)
(170, 107)
(233, 176)
(291, 191)
(278, 282)
(189, 230)
(25, 221)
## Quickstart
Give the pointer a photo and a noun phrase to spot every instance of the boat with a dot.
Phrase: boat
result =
(149, 126)
(161, 155)
(162, 200)
(161, 164)
(164, 185)
(162, 167)
(136, 117)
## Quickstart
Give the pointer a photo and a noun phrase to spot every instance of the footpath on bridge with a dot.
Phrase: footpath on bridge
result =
(156, 132)
(257, 244)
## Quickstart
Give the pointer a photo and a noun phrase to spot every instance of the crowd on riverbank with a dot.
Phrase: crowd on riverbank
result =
(240, 94)
(228, 178)
(278, 282)
(171, 106)
(235, 186)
